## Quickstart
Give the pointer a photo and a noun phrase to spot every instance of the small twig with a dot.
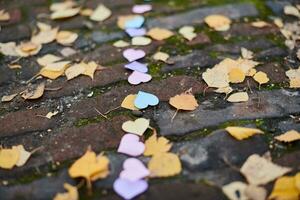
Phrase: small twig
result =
(174, 115)
(204, 91)
(116, 108)
(100, 113)
(36, 149)
(16, 60)
(249, 86)
(32, 78)
(226, 161)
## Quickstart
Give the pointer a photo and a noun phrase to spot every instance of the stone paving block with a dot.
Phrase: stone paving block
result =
(101, 37)
(233, 11)
(262, 104)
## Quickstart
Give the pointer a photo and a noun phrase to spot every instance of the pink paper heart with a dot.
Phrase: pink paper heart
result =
(134, 170)
(139, 9)
(137, 77)
(129, 189)
(133, 54)
(131, 145)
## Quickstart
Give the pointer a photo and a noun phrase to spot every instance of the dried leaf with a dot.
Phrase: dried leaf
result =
(140, 41)
(260, 171)
(8, 49)
(261, 77)
(67, 51)
(255, 192)
(45, 37)
(4, 16)
(161, 56)
(218, 22)
(48, 59)
(75, 70)
(238, 97)
(54, 70)
(9, 157)
(28, 49)
(291, 10)
(128, 102)
(62, 5)
(65, 13)
(235, 191)
(164, 165)
(72, 193)
(184, 101)
(236, 75)
(7, 98)
(34, 92)
(289, 136)
(66, 37)
(188, 32)
(14, 66)
(259, 24)
(160, 33)
(156, 145)
(121, 44)
(246, 54)
(285, 189)
(51, 114)
(100, 14)
(241, 133)
(226, 90)
(90, 69)
(294, 76)
(24, 156)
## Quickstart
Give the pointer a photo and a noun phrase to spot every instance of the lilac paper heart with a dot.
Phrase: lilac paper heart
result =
(137, 77)
(139, 9)
(130, 145)
(133, 32)
(137, 66)
(129, 189)
(134, 170)
(133, 54)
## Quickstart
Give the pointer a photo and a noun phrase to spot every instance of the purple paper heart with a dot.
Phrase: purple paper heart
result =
(130, 145)
(134, 170)
(129, 189)
(137, 77)
(133, 54)
(139, 9)
(133, 32)
(137, 66)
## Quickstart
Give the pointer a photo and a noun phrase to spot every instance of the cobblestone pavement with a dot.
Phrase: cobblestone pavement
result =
(198, 136)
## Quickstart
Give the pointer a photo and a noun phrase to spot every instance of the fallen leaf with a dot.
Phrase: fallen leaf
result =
(188, 32)
(65, 13)
(28, 49)
(8, 49)
(184, 101)
(121, 44)
(100, 14)
(23, 157)
(260, 171)
(45, 37)
(161, 56)
(14, 66)
(164, 165)
(294, 76)
(67, 51)
(105, 163)
(291, 10)
(75, 70)
(90, 69)
(51, 114)
(255, 192)
(43, 26)
(34, 92)
(246, 54)
(66, 37)
(236, 75)
(156, 145)
(7, 98)
(235, 190)
(226, 90)
(128, 102)
(140, 41)
(218, 22)
(48, 59)
(261, 77)
(259, 24)
(4, 16)
(54, 70)
(241, 133)
(289, 136)
(9, 157)
(72, 193)
(216, 78)
(238, 97)
(62, 5)
(160, 33)
(285, 189)
(86, 12)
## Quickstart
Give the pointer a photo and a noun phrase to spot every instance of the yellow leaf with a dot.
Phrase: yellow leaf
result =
(100, 14)
(65, 13)
(218, 22)
(75, 70)
(34, 92)
(294, 76)
(24, 156)
(72, 193)
(236, 75)
(259, 171)
(156, 145)
(7, 98)
(66, 37)
(28, 49)
(164, 165)
(297, 179)
(8, 49)
(9, 157)
(259, 24)
(188, 32)
(54, 70)
(184, 101)
(4, 16)
(238, 97)
(140, 41)
(241, 133)
(128, 102)
(90, 69)
(160, 33)
(289, 136)
(45, 37)
(161, 56)
(285, 189)
(48, 59)
(246, 54)
(104, 173)
(261, 77)
(51, 114)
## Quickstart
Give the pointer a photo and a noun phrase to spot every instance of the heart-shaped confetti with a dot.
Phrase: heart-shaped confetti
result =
(136, 22)
(137, 66)
(134, 170)
(133, 54)
(137, 77)
(130, 145)
(129, 189)
(138, 127)
(139, 9)
(144, 99)
(133, 32)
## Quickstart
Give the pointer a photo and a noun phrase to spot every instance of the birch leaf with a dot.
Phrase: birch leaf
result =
(7, 98)
(285, 189)
(9, 157)
(24, 156)
(156, 145)
(218, 22)
(100, 14)
(34, 92)
(160, 33)
(48, 59)
(238, 97)
(75, 70)
(184, 101)
(66, 37)
(289, 136)
(72, 193)
(241, 133)
(164, 165)
(128, 102)
(261, 77)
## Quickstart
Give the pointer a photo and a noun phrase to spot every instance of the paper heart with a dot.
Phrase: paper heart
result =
(132, 32)
(137, 66)
(129, 189)
(141, 8)
(136, 22)
(130, 145)
(144, 99)
(134, 170)
(137, 77)
(133, 54)
(138, 127)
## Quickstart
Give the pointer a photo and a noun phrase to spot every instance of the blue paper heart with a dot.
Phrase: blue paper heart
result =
(136, 22)
(144, 99)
